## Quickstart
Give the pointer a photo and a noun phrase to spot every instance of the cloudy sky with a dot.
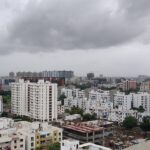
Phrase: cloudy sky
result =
(106, 37)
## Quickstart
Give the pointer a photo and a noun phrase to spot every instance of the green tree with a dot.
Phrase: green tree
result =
(38, 148)
(130, 122)
(83, 86)
(61, 98)
(145, 125)
(55, 146)
(6, 99)
(67, 111)
(76, 110)
(6, 96)
(141, 109)
(89, 117)
(4, 114)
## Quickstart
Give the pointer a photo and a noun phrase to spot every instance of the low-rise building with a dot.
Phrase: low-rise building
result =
(71, 144)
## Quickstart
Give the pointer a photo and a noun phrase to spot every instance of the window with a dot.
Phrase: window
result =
(21, 140)
(77, 146)
(15, 147)
(15, 141)
(21, 145)
(32, 138)
(32, 144)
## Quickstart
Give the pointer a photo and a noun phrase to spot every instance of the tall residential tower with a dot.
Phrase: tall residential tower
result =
(35, 100)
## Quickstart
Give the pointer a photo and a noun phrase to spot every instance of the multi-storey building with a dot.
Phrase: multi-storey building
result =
(145, 86)
(99, 95)
(59, 74)
(55, 74)
(142, 99)
(35, 100)
(98, 99)
(1, 104)
(119, 115)
(40, 134)
(67, 92)
(5, 83)
(26, 135)
(76, 93)
(77, 102)
(60, 108)
(121, 99)
(129, 85)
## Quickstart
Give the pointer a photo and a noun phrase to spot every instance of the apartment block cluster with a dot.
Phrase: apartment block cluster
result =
(56, 74)
(24, 135)
(113, 106)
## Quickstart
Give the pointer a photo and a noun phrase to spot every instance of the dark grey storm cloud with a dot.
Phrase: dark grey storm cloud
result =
(49, 25)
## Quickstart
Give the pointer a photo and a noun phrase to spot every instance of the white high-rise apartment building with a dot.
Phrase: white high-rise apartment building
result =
(36, 100)
(142, 99)
(1, 104)
(121, 99)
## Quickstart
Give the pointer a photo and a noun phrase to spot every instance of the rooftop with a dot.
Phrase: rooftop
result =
(84, 128)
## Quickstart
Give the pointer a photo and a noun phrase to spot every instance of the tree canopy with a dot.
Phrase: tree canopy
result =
(55, 146)
(130, 122)
(61, 98)
(89, 117)
(75, 110)
(145, 125)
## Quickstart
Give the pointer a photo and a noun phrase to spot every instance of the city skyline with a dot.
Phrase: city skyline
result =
(111, 38)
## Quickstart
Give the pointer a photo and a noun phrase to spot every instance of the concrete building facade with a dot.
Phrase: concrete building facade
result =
(35, 100)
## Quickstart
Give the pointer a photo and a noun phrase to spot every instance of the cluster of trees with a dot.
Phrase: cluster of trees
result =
(4, 114)
(85, 117)
(131, 122)
(108, 88)
(6, 96)
(61, 98)
(22, 118)
(75, 110)
(145, 125)
(89, 117)
(55, 146)
(140, 109)
(83, 86)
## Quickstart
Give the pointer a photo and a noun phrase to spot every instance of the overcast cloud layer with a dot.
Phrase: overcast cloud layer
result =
(49, 25)
(109, 37)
